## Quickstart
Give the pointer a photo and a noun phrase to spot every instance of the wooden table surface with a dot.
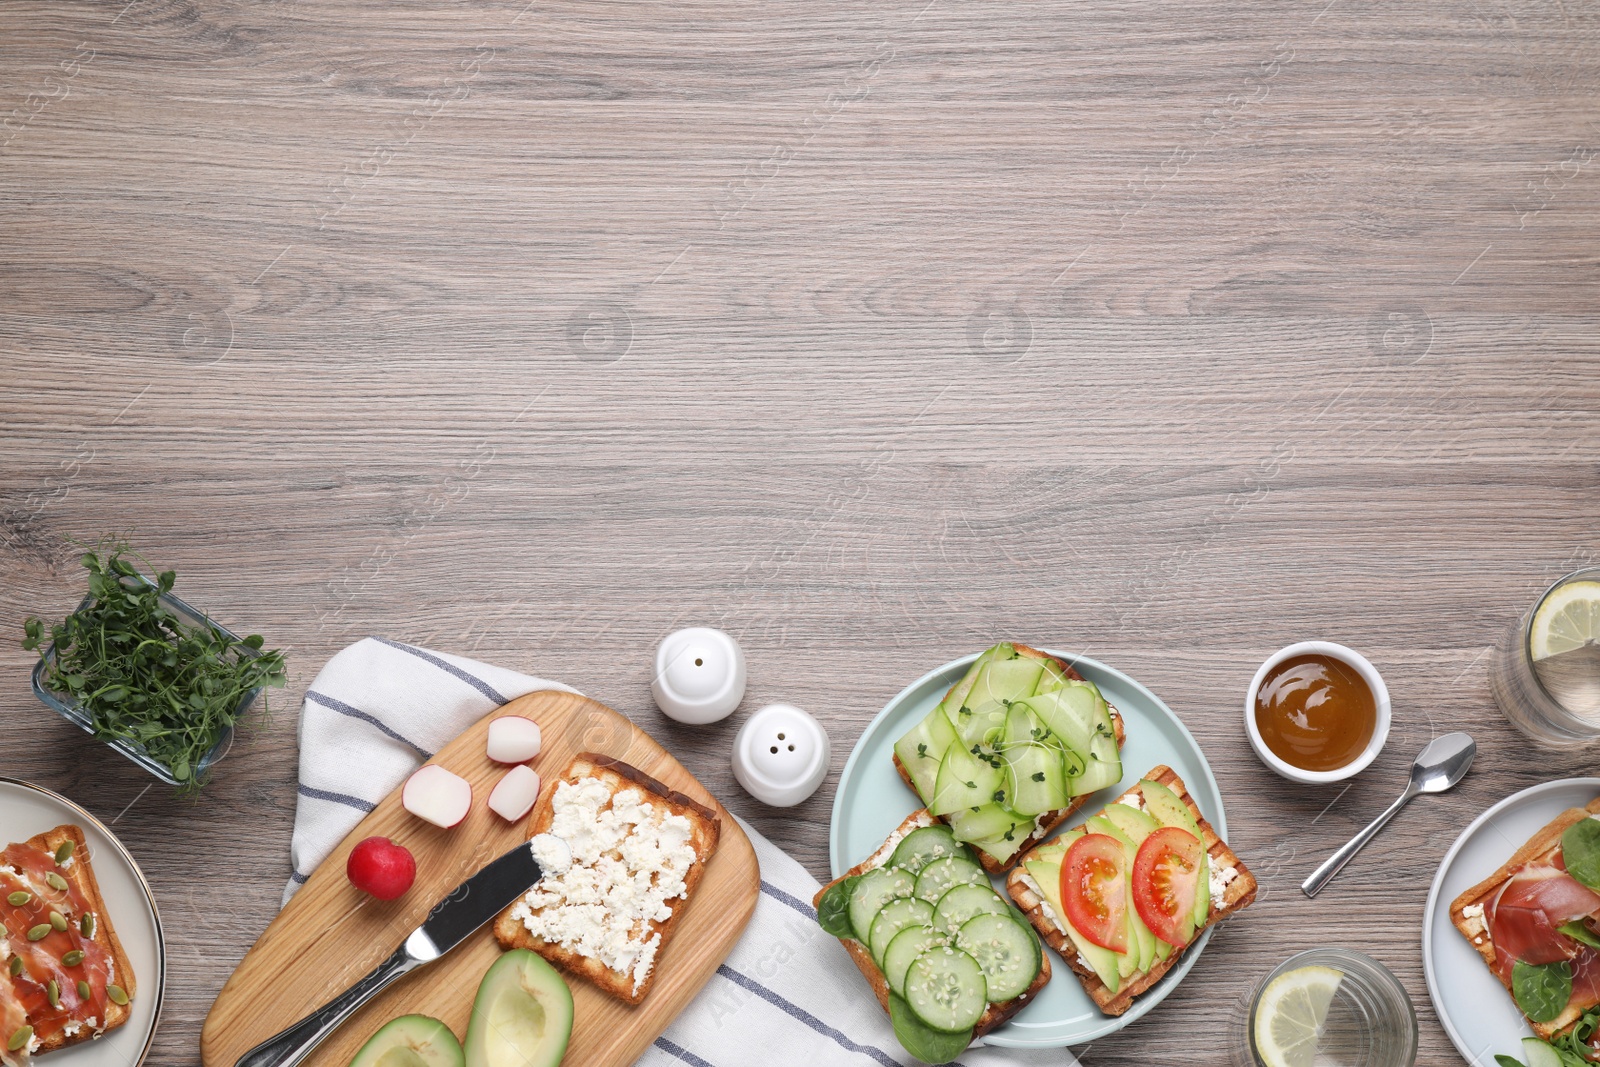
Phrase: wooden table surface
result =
(1165, 332)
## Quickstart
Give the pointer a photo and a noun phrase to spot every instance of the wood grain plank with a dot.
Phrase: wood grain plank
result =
(1167, 332)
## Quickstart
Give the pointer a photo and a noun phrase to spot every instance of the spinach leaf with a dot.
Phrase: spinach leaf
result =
(922, 1040)
(1579, 933)
(1507, 1061)
(1580, 850)
(1542, 990)
(833, 910)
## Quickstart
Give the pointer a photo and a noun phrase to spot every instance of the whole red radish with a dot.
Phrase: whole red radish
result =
(381, 867)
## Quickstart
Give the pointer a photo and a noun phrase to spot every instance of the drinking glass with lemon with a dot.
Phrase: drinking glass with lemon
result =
(1546, 672)
(1331, 1007)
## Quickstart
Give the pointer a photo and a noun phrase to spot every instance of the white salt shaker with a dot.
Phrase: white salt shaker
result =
(699, 675)
(780, 755)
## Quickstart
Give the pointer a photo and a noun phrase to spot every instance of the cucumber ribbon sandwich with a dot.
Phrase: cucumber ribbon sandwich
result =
(1011, 751)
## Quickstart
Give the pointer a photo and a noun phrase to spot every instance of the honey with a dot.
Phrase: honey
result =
(1315, 712)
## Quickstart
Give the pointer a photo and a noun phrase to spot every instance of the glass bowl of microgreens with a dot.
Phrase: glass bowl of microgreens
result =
(141, 670)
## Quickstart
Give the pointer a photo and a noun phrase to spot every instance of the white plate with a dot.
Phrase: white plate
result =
(872, 801)
(26, 810)
(1474, 1008)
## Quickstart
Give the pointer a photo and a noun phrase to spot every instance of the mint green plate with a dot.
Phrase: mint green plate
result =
(872, 801)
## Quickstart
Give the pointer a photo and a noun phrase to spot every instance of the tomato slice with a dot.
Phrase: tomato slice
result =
(1166, 876)
(1093, 879)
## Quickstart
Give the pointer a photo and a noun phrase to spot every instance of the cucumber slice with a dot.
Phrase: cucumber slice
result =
(981, 718)
(921, 750)
(907, 945)
(1036, 779)
(875, 889)
(894, 917)
(947, 990)
(940, 876)
(957, 697)
(965, 902)
(1051, 678)
(964, 781)
(1541, 1053)
(921, 847)
(1007, 951)
(987, 821)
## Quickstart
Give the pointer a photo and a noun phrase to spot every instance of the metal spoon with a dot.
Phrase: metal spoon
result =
(1439, 766)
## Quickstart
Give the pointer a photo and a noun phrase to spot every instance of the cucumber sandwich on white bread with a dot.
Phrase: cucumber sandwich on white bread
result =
(947, 957)
(1122, 896)
(1014, 748)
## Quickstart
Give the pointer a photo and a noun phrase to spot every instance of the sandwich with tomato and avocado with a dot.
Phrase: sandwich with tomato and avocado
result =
(947, 957)
(1014, 748)
(1120, 897)
(1536, 923)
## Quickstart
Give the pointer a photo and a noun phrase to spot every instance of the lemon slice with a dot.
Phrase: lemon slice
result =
(1568, 619)
(1290, 1014)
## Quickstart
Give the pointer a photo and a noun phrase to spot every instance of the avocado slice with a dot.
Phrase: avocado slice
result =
(1045, 869)
(411, 1041)
(1141, 942)
(1134, 824)
(522, 1016)
(1169, 808)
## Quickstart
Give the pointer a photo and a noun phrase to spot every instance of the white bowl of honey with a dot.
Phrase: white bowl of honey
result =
(1317, 712)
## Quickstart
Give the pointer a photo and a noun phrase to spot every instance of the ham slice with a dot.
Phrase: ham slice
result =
(1524, 916)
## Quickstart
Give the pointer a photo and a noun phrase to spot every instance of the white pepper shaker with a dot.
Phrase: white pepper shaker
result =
(699, 675)
(780, 755)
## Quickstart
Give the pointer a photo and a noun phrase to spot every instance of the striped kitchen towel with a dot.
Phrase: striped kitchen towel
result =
(787, 996)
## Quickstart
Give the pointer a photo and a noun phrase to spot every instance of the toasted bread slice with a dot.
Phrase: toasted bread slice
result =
(579, 958)
(1045, 824)
(78, 871)
(1238, 894)
(994, 1014)
(1542, 846)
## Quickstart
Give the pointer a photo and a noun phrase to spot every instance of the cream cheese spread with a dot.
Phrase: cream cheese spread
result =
(624, 861)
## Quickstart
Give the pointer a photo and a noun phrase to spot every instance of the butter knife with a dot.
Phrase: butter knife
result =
(454, 919)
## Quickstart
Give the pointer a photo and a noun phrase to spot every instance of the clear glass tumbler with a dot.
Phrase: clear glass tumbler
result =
(1545, 676)
(1369, 1021)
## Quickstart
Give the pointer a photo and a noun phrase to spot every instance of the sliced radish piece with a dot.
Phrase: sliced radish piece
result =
(437, 796)
(513, 797)
(513, 739)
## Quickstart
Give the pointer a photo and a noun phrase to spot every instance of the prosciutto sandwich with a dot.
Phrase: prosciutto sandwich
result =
(66, 978)
(1536, 923)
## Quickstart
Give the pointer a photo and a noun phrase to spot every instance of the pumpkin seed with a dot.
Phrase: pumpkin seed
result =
(58, 920)
(86, 924)
(64, 853)
(73, 958)
(16, 966)
(19, 1039)
(53, 993)
(116, 994)
(40, 932)
(56, 882)
(84, 992)
(19, 898)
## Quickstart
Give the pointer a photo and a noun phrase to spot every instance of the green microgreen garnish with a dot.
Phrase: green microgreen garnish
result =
(142, 674)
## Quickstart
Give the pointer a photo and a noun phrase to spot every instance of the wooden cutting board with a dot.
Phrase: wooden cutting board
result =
(331, 934)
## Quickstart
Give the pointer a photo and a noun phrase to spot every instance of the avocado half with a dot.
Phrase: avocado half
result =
(522, 1016)
(411, 1041)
